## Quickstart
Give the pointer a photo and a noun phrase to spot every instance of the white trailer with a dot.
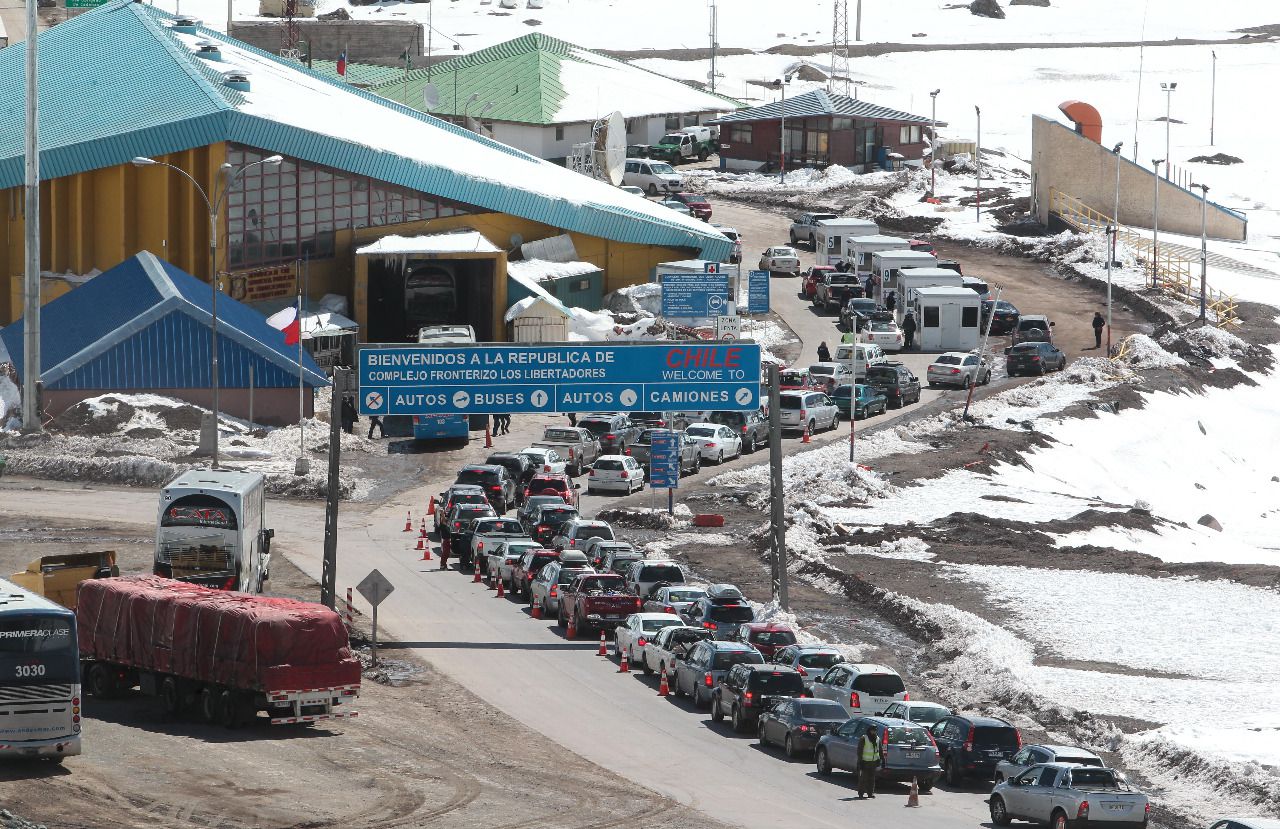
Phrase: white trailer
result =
(211, 530)
(947, 318)
(912, 279)
(858, 249)
(830, 234)
(885, 265)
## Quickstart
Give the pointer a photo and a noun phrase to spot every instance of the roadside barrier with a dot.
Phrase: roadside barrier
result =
(913, 799)
(348, 613)
(624, 667)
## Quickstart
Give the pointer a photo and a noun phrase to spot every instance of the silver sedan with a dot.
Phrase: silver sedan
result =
(959, 369)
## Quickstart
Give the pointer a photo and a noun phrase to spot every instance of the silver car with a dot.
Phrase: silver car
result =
(960, 369)
(551, 579)
(505, 554)
(1032, 755)
(925, 713)
(1066, 795)
(812, 410)
(674, 599)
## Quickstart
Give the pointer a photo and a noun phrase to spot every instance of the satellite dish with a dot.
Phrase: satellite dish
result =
(610, 149)
(430, 96)
(516, 240)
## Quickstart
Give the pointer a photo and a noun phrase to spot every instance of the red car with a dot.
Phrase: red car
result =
(549, 483)
(698, 205)
(812, 277)
(766, 637)
(794, 379)
(921, 245)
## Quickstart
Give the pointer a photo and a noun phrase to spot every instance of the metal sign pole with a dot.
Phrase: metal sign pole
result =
(31, 228)
(776, 520)
(982, 353)
(342, 380)
(374, 650)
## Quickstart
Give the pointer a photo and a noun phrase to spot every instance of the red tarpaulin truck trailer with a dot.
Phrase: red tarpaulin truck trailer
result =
(224, 655)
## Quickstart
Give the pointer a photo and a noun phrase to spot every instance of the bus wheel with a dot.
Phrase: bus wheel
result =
(170, 697)
(102, 683)
(209, 704)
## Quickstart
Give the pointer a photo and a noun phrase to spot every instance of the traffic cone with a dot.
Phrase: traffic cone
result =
(805, 439)
(488, 439)
(431, 506)
(624, 667)
(500, 592)
(420, 545)
(426, 553)
(408, 521)
(913, 799)
(475, 573)
(422, 533)
(604, 648)
(536, 611)
(663, 688)
(493, 581)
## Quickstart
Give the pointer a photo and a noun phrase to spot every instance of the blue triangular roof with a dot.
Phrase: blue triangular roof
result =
(820, 102)
(120, 81)
(150, 321)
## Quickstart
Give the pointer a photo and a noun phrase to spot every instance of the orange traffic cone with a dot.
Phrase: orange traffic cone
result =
(492, 580)
(431, 506)
(500, 592)
(536, 611)
(422, 533)
(624, 666)
(475, 571)
(604, 648)
(426, 553)
(913, 799)
(805, 439)
(663, 688)
(571, 632)
(488, 439)
(408, 521)
(420, 544)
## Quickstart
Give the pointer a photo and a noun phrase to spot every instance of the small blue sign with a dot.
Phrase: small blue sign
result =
(694, 294)
(758, 292)
(664, 460)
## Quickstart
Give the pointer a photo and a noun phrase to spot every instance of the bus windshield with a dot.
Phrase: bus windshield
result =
(38, 650)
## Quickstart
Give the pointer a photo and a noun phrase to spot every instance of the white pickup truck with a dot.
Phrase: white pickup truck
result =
(804, 227)
(491, 531)
(670, 644)
(1064, 795)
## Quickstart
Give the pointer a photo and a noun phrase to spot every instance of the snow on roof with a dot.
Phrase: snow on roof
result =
(595, 85)
(530, 283)
(537, 269)
(326, 323)
(948, 292)
(470, 241)
(878, 239)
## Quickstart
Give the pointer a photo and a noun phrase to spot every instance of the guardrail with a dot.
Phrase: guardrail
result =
(1176, 276)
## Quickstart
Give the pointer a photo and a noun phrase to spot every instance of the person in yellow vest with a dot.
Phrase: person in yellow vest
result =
(868, 762)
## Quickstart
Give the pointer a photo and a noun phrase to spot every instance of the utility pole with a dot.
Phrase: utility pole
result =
(1213, 95)
(1204, 249)
(777, 521)
(982, 354)
(857, 33)
(1114, 231)
(714, 25)
(977, 160)
(933, 142)
(31, 228)
(782, 129)
(1168, 109)
(1155, 224)
(343, 381)
(431, 13)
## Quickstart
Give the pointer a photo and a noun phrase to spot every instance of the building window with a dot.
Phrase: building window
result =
(740, 134)
(969, 317)
(673, 123)
(691, 121)
(909, 135)
(559, 133)
(631, 126)
(841, 123)
(931, 316)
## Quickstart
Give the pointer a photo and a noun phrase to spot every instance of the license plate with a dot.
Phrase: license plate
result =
(911, 755)
(1117, 807)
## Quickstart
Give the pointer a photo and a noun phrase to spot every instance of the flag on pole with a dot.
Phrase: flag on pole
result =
(342, 63)
(288, 321)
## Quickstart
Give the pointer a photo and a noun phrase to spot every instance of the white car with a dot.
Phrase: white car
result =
(615, 473)
(715, 442)
(634, 636)
(812, 410)
(884, 333)
(548, 460)
(862, 688)
(671, 643)
(505, 554)
(960, 369)
(736, 256)
(651, 176)
(1029, 756)
(780, 259)
(678, 206)
(862, 355)
(831, 374)
(635, 191)
(576, 532)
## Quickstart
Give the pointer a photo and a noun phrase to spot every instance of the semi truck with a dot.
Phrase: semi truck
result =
(223, 656)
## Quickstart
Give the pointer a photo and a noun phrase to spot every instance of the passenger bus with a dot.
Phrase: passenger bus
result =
(441, 426)
(39, 677)
(210, 530)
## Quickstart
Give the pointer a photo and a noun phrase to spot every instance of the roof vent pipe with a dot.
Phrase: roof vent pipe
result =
(208, 50)
(186, 25)
(236, 80)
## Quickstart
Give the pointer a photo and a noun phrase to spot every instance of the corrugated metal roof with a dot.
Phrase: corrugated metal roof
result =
(144, 324)
(365, 74)
(522, 79)
(117, 83)
(820, 102)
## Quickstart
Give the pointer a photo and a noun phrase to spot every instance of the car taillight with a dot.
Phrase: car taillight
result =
(805, 729)
(479, 545)
(542, 528)
(707, 681)
(546, 468)
(854, 701)
(1147, 809)
(526, 489)
(748, 696)
(1082, 811)
(954, 371)
(1017, 736)
(1035, 359)
(636, 602)
(709, 445)
(803, 414)
(626, 475)
(457, 525)
(626, 452)
(968, 743)
(744, 430)
(591, 474)
(906, 697)
(641, 641)
(932, 741)
(709, 625)
(571, 453)
(610, 437)
(555, 591)
(668, 609)
(496, 488)
(802, 671)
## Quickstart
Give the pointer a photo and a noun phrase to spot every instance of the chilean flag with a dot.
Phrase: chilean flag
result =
(342, 63)
(287, 321)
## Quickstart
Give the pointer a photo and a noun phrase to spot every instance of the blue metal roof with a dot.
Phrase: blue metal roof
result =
(820, 102)
(144, 324)
(116, 83)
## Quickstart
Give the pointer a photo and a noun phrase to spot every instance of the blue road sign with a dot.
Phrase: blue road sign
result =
(694, 294)
(758, 292)
(410, 379)
(664, 460)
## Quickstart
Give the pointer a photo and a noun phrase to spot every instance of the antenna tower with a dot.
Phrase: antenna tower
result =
(839, 80)
(289, 34)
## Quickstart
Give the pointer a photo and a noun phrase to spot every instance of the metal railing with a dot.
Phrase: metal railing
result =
(1175, 275)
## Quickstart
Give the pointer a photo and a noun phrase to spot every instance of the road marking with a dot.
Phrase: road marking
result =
(628, 397)
(538, 398)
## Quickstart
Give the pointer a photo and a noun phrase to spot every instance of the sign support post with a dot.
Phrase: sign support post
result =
(342, 382)
(777, 523)
(375, 588)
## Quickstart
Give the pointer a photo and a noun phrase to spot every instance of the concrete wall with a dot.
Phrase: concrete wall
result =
(368, 41)
(1063, 160)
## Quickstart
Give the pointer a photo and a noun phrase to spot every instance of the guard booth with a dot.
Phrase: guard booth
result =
(858, 250)
(911, 280)
(886, 264)
(947, 318)
(829, 238)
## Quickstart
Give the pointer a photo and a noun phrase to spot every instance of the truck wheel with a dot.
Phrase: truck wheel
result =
(102, 681)
(209, 704)
(170, 697)
(702, 154)
(653, 190)
(229, 709)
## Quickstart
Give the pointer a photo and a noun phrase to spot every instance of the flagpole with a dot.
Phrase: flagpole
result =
(302, 445)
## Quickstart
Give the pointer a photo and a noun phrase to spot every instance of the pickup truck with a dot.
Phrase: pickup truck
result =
(577, 446)
(671, 644)
(595, 601)
(836, 289)
(488, 532)
(1065, 794)
(690, 457)
(805, 226)
(614, 433)
(685, 145)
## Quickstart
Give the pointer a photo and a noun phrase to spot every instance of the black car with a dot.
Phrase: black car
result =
(496, 481)
(971, 746)
(460, 526)
(1033, 358)
(796, 724)
(720, 611)
(747, 690)
(857, 309)
(950, 265)
(753, 426)
(520, 468)
(547, 522)
(615, 432)
(896, 382)
(1003, 316)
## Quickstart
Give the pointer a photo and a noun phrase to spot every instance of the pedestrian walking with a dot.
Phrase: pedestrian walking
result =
(504, 424)
(908, 330)
(868, 762)
(497, 425)
(573, 418)
(1099, 323)
(375, 422)
(871, 284)
(891, 301)
(348, 414)
(444, 551)
(824, 353)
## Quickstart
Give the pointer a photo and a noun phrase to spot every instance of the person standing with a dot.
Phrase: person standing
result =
(868, 762)
(824, 353)
(891, 301)
(908, 330)
(504, 424)
(573, 418)
(375, 422)
(348, 413)
(1099, 323)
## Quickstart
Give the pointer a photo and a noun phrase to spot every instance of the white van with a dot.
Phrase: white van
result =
(863, 354)
(651, 176)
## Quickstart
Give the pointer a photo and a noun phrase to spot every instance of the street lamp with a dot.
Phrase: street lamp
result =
(781, 83)
(977, 160)
(1204, 246)
(231, 176)
(1168, 108)
(1155, 225)
(933, 142)
(475, 96)
(488, 105)
(1113, 230)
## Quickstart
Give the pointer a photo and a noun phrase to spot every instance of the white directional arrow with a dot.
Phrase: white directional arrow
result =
(538, 398)
(461, 399)
(628, 398)
(743, 396)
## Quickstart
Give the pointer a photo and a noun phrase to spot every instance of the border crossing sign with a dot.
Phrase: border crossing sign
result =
(412, 379)
(694, 294)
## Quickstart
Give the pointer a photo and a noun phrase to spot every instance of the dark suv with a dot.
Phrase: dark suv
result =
(1033, 358)
(1033, 328)
(753, 426)
(896, 382)
(700, 672)
(721, 611)
(746, 690)
(1002, 315)
(497, 483)
(520, 468)
(615, 432)
(971, 746)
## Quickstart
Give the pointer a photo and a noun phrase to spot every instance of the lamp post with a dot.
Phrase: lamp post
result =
(475, 96)
(933, 142)
(232, 176)
(1168, 108)
(781, 83)
(977, 160)
(1155, 225)
(1204, 247)
(1213, 95)
(479, 130)
(1113, 230)
(31, 242)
